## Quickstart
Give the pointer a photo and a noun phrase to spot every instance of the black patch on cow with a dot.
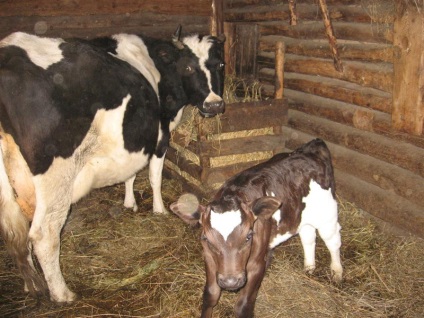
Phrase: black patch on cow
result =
(49, 112)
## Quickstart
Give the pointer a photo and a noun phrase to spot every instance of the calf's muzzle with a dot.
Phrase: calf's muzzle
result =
(231, 282)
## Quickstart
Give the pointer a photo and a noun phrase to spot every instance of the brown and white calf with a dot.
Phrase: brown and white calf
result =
(256, 210)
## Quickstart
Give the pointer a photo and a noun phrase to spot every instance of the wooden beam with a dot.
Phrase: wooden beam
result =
(279, 70)
(408, 79)
(217, 19)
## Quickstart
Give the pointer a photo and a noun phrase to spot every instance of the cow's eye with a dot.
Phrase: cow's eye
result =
(221, 65)
(189, 69)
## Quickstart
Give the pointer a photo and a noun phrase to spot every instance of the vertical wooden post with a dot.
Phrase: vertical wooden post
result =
(217, 19)
(408, 67)
(229, 48)
(279, 70)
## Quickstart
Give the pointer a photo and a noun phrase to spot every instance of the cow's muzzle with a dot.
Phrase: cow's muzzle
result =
(231, 282)
(210, 109)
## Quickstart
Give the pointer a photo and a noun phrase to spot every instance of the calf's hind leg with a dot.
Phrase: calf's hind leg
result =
(331, 237)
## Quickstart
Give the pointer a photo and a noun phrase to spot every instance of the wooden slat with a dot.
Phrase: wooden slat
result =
(248, 116)
(161, 26)
(364, 32)
(319, 48)
(244, 145)
(90, 7)
(306, 11)
(339, 112)
(373, 75)
(337, 90)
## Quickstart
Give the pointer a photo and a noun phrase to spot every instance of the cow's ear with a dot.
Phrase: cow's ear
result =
(188, 209)
(265, 207)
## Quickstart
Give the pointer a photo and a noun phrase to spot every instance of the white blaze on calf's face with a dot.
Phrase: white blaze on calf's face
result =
(225, 222)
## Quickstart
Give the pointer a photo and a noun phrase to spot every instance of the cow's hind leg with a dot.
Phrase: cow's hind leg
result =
(14, 228)
(308, 236)
(331, 236)
(49, 218)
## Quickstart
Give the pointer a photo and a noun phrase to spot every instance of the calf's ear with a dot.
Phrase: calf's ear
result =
(265, 207)
(188, 209)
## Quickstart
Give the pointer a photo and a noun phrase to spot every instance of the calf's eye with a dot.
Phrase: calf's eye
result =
(249, 236)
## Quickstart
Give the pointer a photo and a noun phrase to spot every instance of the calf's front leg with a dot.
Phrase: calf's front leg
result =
(212, 291)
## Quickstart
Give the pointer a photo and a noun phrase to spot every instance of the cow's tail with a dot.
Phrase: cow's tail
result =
(14, 228)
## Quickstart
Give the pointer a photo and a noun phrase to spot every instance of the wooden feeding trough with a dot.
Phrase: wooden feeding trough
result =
(213, 149)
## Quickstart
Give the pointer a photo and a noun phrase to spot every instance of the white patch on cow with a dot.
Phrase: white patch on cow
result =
(225, 222)
(132, 50)
(102, 157)
(201, 50)
(41, 51)
(280, 238)
(174, 123)
(320, 209)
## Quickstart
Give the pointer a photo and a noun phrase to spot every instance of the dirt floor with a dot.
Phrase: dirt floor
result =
(137, 264)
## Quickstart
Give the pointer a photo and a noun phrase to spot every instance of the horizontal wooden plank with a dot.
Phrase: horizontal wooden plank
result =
(89, 7)
(344, 113)
(362, 32)
(188, 166)
(246, 3)
(214, 176)
(246, 145)
(381, 147)
(348, 50)
(161, 26)
(247, 116)
(373, 75)
(384, 175)
(337, 90)
(305, 11)
(382, 204)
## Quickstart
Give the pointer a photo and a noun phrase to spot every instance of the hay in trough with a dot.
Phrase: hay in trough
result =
(137, 264)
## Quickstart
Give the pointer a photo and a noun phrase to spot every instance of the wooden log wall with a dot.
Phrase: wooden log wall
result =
(90, 18)
(370, 113)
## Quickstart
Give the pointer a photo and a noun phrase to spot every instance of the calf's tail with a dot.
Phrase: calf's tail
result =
(14, 228)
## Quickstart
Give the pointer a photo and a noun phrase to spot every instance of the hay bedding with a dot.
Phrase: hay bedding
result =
(136, 264)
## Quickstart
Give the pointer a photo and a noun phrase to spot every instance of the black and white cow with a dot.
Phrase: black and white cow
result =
(258, 209)
(82, 114)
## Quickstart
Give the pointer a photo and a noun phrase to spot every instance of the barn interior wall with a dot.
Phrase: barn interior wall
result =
(378, 167)
(90, 18)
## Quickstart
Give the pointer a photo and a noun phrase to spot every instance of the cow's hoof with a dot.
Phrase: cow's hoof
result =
(66, 298)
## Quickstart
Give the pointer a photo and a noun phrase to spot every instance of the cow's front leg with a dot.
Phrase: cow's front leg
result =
(129, 201)
(155, 176)
(245, 305)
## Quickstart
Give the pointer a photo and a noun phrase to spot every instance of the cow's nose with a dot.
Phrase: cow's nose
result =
(231, 282)
(210, 109)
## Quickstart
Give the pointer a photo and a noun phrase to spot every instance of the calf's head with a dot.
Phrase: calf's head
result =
(201, 67)
(232, 235)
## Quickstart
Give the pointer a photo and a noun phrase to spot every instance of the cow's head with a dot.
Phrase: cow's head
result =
(201, 66)
(234, 234)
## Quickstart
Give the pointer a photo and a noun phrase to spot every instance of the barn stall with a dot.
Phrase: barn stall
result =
(347, 70)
